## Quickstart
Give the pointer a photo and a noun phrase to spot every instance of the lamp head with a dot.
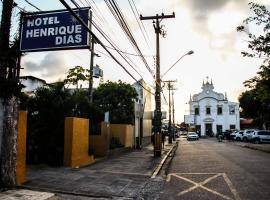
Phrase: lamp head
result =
(190, 52)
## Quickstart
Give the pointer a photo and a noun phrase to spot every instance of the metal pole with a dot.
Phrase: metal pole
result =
(92, 46)
(170, 118)
(173, 114)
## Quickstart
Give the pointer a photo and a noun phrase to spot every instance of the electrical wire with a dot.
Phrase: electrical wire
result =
(138, 22)
(117, 13)
(32, 5)
(101, 43)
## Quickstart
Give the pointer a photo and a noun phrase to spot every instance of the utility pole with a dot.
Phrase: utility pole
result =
(170, 87)
(157, 118)
(173, 111)
(8, 102)
(92, 48)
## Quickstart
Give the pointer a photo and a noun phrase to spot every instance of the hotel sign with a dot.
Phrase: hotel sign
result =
(54, 30)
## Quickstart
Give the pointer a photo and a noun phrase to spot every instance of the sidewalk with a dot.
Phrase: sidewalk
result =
(260, 147)
(120, 177)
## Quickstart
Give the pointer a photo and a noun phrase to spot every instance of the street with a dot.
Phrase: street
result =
(207, 169)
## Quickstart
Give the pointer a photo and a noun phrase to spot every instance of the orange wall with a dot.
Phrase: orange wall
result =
(100, 143)
(124, 132)
(76, 142)
(21, 148)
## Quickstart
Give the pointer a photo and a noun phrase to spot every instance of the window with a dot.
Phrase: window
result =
(232, 110)
(208, 110)
(232, 126)
(197, 112)
(219, 110)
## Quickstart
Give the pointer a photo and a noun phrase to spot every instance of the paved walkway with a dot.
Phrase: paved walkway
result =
(120, 177)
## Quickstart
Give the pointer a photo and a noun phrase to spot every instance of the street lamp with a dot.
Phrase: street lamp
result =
(188, 53)
(171, 88)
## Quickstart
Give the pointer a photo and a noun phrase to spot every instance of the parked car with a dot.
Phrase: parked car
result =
(239, 135)
(192, 136)
(247, 134)
(260, 136)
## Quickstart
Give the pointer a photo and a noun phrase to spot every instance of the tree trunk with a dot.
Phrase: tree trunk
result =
(8, 135)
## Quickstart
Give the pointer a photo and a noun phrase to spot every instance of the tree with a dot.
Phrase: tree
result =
(118, 99)
(9, 88)
(259, 86)
(75, 75)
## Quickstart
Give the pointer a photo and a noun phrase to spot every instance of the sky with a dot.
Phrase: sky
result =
(208, 27)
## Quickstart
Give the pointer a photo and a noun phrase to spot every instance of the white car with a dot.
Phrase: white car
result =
(192, 136)
(260, 136)
(247, 134)
(239, 135)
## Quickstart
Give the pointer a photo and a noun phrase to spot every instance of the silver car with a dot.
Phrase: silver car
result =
(192, 136)
(247, 135)
(260, 136)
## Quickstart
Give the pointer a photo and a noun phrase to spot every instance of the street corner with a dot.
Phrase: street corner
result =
(21, 194)
(201, 186)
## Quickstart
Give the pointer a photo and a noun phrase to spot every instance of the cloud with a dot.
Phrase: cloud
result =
(51, 68)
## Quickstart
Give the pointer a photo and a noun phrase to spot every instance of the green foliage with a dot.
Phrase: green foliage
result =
(75, 75)
(46, 113)
(118, 99)
(258, 43)
(255, 103)
(9, 87)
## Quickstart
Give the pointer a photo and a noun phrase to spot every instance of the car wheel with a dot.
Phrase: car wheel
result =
(237, 139)
(245, 139)
(257, 141)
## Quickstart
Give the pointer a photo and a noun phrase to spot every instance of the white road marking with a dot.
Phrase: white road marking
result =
(201, 184)
(233, 190)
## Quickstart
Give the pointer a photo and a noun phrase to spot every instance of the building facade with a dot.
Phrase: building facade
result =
(143, 114)
(211, 113)
(31, 84)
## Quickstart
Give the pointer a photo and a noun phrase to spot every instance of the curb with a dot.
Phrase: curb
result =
(158, 168)
(255, 148)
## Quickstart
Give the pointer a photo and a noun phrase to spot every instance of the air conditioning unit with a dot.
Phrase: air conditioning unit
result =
(97, 72)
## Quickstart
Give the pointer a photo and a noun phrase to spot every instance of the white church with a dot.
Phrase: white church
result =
(211, 112)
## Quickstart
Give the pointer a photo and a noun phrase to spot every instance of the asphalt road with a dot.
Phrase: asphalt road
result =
(207, 169)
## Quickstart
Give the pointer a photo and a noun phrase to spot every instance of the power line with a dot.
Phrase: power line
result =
(138, 21)
(98, 40)
(116, 12)
(114, 47)
(32, 5)
(132, 54)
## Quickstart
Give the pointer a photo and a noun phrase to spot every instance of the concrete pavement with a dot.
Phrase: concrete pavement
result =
(121, 177)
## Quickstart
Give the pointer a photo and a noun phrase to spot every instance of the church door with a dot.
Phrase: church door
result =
(208, 129)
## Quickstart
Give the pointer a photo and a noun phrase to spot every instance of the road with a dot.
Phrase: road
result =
(207, 169)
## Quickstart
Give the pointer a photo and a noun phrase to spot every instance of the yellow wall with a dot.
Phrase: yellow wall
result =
(21, 148)
(100, 143)
(124, 132)
(76, 142)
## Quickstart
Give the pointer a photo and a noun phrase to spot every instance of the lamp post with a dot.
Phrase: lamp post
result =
(188, 53)
(171, 88)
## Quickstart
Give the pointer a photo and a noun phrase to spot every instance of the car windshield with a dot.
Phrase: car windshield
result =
(192, 133)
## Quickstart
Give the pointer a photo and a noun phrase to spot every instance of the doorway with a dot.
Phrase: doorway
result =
(208, 130)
